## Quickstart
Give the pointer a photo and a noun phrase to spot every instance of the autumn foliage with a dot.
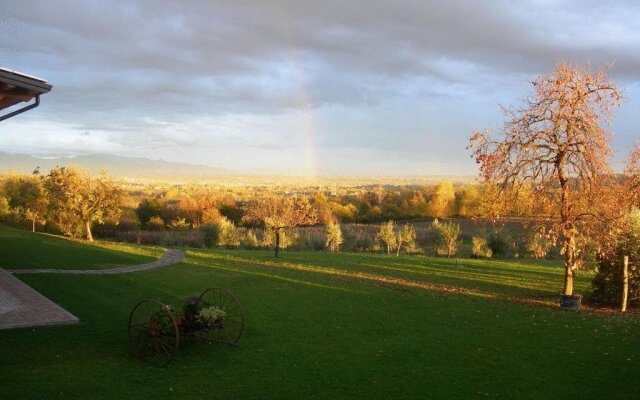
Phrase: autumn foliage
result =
(276, 214)
(553, 156)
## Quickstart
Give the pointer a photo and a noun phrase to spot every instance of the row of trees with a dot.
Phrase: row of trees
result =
(198, 206)
(379, 203)
(390, 237)
(70, 202)
(65, 199)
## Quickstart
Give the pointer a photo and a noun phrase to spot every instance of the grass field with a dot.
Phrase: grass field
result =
(21, 249)
(334, 326)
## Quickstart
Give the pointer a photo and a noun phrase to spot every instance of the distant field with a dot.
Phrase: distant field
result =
(21, 249)
(325, 325)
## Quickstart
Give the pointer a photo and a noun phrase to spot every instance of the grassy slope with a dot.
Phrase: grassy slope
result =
(21, 249)
(315, 330)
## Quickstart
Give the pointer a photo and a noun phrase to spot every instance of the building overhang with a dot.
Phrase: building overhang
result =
(16, 88)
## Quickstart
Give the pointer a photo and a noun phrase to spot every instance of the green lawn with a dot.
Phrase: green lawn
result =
(21, 249)
(334, 326)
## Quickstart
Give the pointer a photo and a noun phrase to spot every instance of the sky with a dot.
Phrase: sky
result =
(302, 87)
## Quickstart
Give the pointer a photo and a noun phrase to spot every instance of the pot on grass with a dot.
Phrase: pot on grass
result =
(570, 303)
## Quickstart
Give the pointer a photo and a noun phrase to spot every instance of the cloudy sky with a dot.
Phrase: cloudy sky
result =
(301, 87)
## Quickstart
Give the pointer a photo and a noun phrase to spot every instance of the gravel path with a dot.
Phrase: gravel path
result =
(171, 257)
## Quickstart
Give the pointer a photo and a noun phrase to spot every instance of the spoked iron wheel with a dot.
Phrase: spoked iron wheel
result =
(228, 329)
(153, 332)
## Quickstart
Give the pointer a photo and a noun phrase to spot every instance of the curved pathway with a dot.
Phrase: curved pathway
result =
(170, 257)
(22, 306)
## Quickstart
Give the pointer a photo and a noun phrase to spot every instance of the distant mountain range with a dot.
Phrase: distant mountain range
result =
(116, 165)
(145, 169)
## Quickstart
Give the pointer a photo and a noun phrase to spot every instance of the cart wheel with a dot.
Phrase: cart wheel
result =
(229, 329)
(153, 332)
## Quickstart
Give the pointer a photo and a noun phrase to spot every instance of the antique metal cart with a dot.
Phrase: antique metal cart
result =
(156, 331)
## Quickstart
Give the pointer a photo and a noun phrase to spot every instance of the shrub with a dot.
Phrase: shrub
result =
(191, 238)
(387, 235)
(334, 237)
(309, 241)
(147, 209)
(500, 244)
(128, 221)
(155, 224)
(221, 233)
(360, 239)
(249, 240)
(287, 238)
(228, 235)
(4, 206)
(537, 244)
(211, 234)
(179, 224)
(480, 247)
(448, 237)
(607, 284)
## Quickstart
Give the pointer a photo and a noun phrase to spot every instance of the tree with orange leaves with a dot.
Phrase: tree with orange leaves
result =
(280, 213)
(555, 149)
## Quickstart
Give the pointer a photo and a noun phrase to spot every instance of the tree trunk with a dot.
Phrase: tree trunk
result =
(625, 283)
(568, 228)
(399, 247)
(569, 262)
(33, 224)
(87, 225)
(277, 241)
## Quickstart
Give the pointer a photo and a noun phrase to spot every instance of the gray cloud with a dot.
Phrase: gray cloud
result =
(410, 78)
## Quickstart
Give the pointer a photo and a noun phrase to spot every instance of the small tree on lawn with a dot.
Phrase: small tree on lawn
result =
(387, 235)
(480, 247)
(334, 237)
(277, 213)
(554, 147)
(448, 237)
(406, 239)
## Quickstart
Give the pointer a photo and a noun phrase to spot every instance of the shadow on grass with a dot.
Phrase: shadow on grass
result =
(263, 274)
(477, 281)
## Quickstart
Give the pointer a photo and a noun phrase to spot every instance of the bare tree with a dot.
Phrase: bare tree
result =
(406, 238)
(554, 148)
(280, 213)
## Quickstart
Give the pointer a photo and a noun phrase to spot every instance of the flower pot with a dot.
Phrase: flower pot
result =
(570, 303)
